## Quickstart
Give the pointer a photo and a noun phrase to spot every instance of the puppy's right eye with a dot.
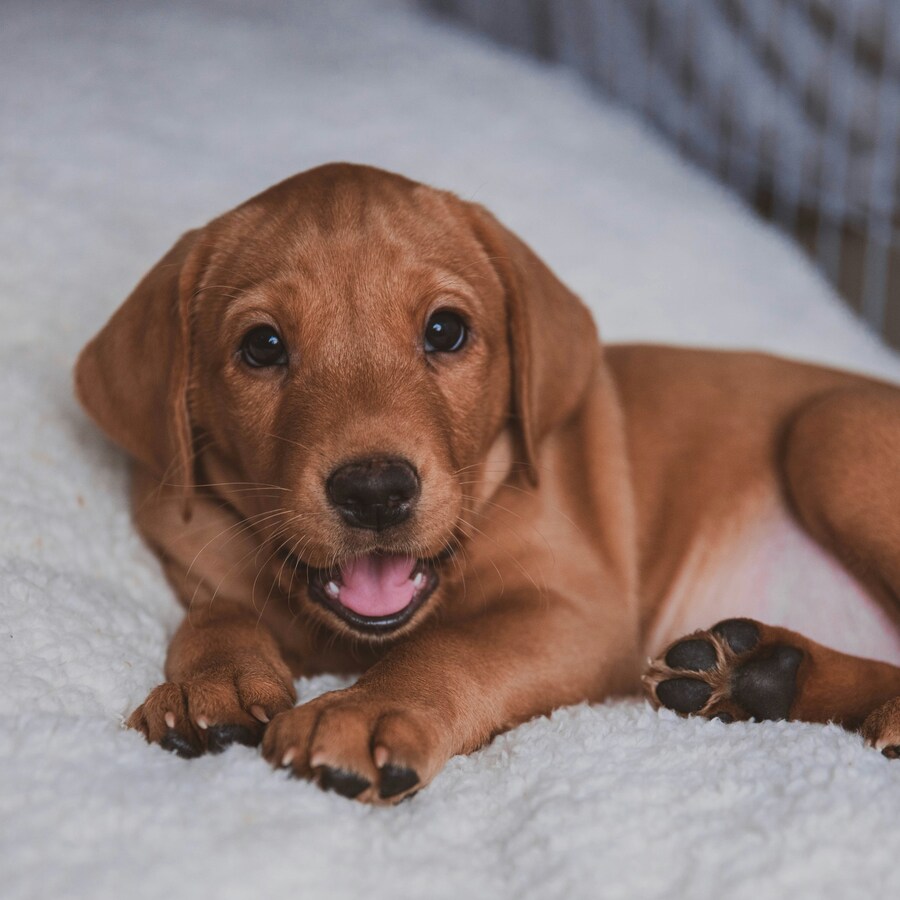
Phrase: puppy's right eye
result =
(262, 347)
(445, 332)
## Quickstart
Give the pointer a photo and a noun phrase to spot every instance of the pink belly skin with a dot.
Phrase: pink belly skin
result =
(762, 565)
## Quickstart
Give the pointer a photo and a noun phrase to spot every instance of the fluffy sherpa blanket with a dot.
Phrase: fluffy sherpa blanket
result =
(123, 124)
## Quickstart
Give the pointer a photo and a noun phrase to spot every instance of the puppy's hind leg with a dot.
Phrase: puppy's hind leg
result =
(842, 474)
(741, 669)
(841, 468)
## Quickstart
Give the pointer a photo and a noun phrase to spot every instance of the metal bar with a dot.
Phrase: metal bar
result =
(884, 180)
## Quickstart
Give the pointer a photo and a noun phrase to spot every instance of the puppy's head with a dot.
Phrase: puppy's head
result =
(354, 361)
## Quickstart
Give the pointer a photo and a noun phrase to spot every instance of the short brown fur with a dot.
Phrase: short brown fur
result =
(569, 480)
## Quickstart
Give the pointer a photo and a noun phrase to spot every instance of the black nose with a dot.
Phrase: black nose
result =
(374, 493)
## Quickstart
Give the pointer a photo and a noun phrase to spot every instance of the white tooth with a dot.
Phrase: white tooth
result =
(333, 590)
(419, 580)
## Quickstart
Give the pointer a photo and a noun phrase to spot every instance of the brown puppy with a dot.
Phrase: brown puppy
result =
(372, 431)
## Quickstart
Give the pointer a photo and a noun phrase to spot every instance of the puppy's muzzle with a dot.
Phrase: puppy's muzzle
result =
(375, 494)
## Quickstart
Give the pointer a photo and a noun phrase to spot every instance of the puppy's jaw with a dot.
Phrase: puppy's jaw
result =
(362, 583)
(326, 588)
(319, 590)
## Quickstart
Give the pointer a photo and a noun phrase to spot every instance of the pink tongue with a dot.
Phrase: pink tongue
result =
(377, 585)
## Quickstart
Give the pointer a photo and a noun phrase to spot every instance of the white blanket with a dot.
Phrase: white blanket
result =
(123, 125)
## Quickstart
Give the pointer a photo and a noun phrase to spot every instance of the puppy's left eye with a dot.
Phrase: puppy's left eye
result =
(445, 332)
(262, 347)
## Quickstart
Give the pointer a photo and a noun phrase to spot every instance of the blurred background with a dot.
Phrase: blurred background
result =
(794, 104)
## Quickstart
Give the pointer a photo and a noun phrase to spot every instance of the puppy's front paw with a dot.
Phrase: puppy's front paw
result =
(360, 746)
(205, 714)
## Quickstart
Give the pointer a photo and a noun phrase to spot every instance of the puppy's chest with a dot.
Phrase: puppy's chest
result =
(761, 564)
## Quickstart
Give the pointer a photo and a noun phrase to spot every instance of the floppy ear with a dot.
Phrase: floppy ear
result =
(553, 339)
(132, 378)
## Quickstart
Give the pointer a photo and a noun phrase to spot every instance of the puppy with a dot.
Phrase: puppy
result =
(373, 432)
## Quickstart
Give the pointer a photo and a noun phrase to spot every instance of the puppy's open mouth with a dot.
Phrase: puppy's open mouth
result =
(375, 593)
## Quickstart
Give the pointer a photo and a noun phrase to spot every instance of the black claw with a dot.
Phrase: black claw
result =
(892, 752)
(766, 687)
(221, 736)
(740, 634)
(684, 695)
(395, 780)
(178, 743)
(347, 784)
(695, 655)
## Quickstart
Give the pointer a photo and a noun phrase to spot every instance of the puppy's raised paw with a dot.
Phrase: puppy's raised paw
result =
(738, 670)
(206, 714)
(358, 745)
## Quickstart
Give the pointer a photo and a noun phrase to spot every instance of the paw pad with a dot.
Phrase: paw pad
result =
(177, 743)
(694, 655)
(741, 635)
(221, 736)
(729, 672)
(684, 695)
(765, 687)
(395, 780)
(347, 784)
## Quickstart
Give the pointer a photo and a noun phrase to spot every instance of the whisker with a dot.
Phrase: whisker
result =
(228, 572)
(211, 484)
(512, 558)
(279, 545)
(506, 486)
(538, 533)
(253, 552)
(490, 559)
(281, 437)
(243, 525)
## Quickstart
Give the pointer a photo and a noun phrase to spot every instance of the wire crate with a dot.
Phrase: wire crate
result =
(795, 104)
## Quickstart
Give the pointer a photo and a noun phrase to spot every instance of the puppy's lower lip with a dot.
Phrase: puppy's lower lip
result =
(419, 582)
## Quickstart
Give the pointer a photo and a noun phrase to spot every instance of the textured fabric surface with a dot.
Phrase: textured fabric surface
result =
(122, 125)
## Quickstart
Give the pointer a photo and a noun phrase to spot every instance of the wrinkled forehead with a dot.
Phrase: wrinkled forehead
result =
(345, 234)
